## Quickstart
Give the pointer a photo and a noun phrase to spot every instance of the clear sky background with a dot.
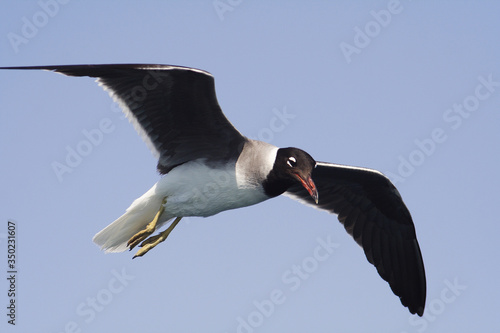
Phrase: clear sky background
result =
(411, 88)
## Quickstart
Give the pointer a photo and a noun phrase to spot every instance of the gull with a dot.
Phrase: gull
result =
(175, 110)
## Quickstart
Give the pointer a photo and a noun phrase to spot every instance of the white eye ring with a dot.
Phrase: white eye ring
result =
(291, 161)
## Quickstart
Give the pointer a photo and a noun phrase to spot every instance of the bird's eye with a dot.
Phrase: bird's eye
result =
(292, 162)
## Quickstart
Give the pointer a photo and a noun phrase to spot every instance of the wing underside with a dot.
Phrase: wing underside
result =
(373, 213)
(173, 108)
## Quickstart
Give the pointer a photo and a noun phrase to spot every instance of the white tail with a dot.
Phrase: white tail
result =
(115, 236)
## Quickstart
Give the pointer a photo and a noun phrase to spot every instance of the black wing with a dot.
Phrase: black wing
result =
(173, 108)
(373, 213)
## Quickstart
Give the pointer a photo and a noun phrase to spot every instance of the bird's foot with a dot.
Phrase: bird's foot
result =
(150, 228)
(152, 241)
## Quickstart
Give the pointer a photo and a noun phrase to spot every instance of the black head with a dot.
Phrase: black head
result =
(292, 165)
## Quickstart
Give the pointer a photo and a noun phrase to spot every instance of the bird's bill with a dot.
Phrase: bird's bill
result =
(309, 185)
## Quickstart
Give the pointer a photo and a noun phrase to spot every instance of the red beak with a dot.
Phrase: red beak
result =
(310, 187)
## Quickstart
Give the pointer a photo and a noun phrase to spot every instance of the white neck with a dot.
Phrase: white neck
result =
(255, 162)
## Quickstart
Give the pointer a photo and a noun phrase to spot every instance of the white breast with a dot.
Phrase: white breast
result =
(194, 189)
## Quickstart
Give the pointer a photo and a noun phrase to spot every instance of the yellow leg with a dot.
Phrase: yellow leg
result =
(150, 228)
(152, 241)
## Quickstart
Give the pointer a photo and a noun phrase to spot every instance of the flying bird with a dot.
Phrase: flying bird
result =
(175, 110)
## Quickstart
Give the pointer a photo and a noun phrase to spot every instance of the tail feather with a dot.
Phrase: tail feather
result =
(115, 236)
(141, 212)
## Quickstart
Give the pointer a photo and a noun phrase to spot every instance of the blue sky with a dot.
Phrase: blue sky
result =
(411, 88)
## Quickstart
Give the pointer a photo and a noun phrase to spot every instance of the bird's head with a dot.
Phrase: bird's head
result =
(294, 165)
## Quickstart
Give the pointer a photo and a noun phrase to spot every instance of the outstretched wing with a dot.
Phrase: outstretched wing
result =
(173, 108)
(373, 213)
